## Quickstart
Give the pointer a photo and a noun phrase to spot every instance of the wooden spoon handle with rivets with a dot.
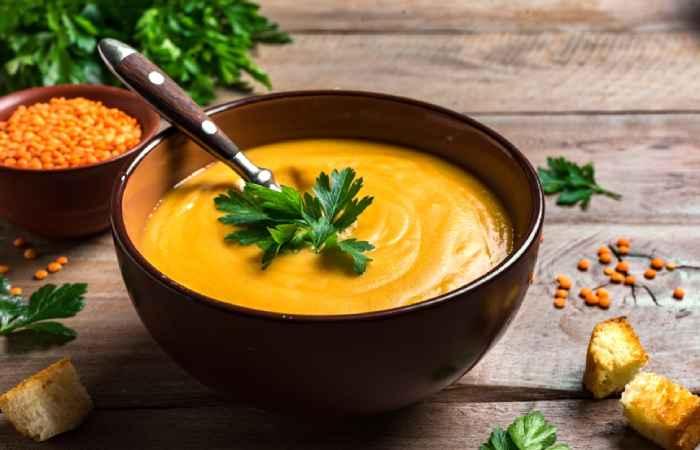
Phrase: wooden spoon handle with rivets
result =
(146, 79)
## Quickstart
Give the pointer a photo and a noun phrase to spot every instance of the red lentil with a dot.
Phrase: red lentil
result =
(41, 274)
(65, 133)
(657, 264)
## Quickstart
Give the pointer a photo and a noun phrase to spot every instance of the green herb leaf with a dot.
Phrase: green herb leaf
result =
(532, 432)
(48, 302)
(284, 221)
(356, 250)
(528, 432)
(499, 440)
(575, 184)
(199, 43)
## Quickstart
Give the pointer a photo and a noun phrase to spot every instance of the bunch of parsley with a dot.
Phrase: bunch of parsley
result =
(528, 432)
(200, 43)
(285, 221)
(574, 183)
(36, 316)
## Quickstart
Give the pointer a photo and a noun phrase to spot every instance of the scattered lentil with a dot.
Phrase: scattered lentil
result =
(41, 274)
(623, 242)
(622, 267)
(53, 267)
(657, 263)
(585, 292)
(605, 258)
(62, 260)
(623, 250)
(19, 242)
(604, 302)
(592, 299)
(630, 280)
(4, 269)
(617, 278)
(608, 271)
(650, 274)
(584, 264)
(678, 293)
(30, 253)
(561, 293)
(671, 266)
(564, 281)
(559, 302)
(16, 291)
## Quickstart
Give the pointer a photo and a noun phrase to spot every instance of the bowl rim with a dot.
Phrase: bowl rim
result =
(146, 135)
(122, 239)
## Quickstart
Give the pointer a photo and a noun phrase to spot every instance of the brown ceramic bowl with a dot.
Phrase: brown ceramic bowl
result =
(362, 363)
(73, 202)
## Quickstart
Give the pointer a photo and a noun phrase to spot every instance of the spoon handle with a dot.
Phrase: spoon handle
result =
(140, 75)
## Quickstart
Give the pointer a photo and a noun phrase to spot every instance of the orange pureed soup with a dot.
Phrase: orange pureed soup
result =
(434, 226)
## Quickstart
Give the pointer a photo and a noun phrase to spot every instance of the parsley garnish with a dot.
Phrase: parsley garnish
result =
(48, 302)
(280, 222)
(573, 183)
(528, 432)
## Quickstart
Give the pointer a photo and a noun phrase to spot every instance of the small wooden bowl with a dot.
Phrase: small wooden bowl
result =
(68, 203)
(336, 364)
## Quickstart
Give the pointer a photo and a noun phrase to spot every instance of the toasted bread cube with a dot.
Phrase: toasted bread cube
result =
(47, 403)
(663, 411)
(615, 355)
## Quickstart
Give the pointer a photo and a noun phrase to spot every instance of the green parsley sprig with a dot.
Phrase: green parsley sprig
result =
(201, 44)
(285, 221)
(574, 183)
(47, 303)
(528, 432)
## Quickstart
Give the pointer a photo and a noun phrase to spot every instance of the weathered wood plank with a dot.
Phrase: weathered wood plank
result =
(480, 15)
(581, 424)
(654, 161)
(513, 73)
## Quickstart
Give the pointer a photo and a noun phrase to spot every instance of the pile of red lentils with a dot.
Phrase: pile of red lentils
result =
(30, 253)
(66, 133)
(620, 274)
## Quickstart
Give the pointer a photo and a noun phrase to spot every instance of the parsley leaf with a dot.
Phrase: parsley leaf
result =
(201, 44)
(48, 302)
(528, 432)
(284, 221)
(575, 184)
(499, 440)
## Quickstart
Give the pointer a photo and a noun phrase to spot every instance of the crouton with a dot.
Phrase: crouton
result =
(615, 355)
(47, 403)
(662, 411)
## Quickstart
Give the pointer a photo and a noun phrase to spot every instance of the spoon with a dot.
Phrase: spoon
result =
(146, 79)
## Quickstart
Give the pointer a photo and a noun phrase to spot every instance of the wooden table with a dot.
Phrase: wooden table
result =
(612, 81)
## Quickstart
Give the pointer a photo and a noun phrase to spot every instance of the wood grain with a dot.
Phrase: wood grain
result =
(429, 426)
(416, 16)
(501, 72)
